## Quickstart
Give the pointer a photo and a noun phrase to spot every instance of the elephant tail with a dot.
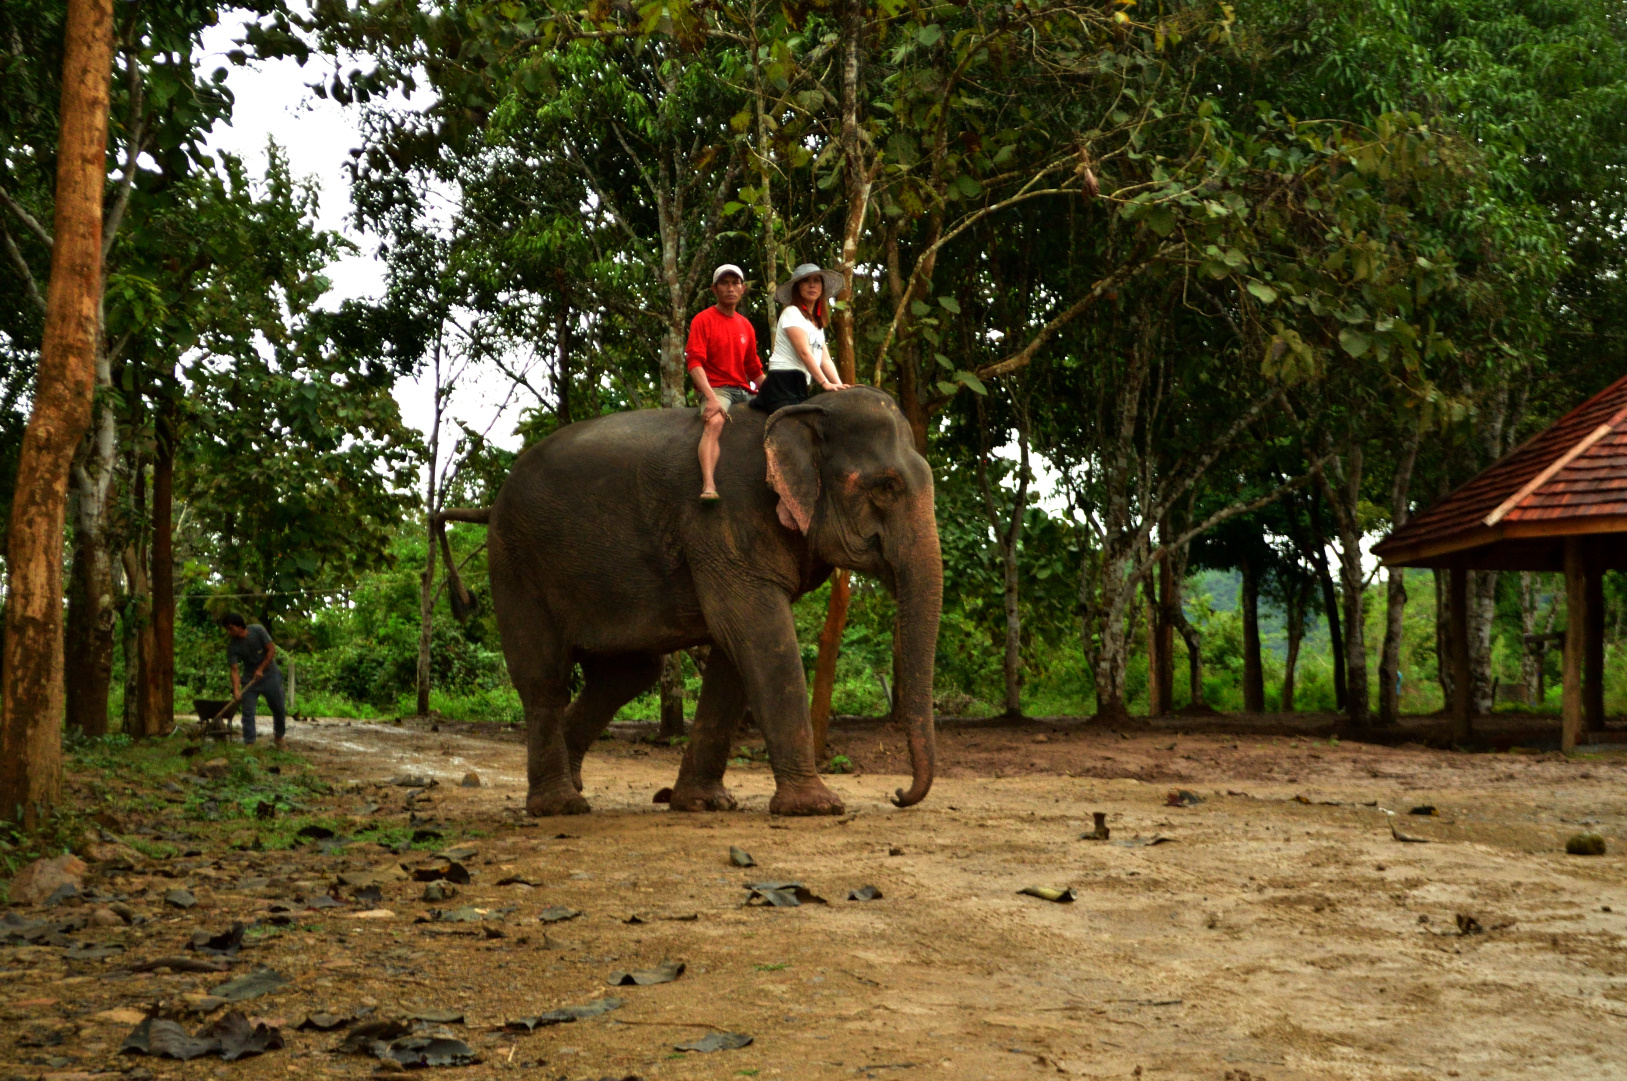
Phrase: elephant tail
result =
(463, 602)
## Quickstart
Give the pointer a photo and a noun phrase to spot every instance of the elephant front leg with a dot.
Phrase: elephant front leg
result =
(762, 636)
(717, 717)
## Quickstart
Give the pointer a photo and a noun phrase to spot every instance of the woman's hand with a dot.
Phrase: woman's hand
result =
(828, 385)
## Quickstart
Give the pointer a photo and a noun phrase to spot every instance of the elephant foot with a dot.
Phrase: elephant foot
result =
(547, 802)
(809, 798)
(701, 797)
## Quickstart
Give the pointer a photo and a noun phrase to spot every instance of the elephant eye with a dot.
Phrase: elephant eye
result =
(883, 487)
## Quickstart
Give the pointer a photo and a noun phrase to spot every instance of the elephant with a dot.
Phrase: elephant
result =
(600, 555)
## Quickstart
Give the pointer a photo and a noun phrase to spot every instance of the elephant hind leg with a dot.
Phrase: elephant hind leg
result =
(608, 683)
(717, 716)
(541, 675)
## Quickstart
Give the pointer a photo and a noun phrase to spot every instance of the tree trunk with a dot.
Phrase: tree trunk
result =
(1111, 652)
(1165, 673)
(92, 617)
(161, 672)
(1175, 612)
(140, 720)
(31, 714)
(1356, 696)
(1344, 501)
(93, 612)
(92, 608)
(1443, 640)
(1330, 604)
(1297, 600)
(1389, 665)
(672, 696)
(1156, 706)
(1013, 667)
(1533, 660)
(1395, 599)
(426, 616)
(562, 366)
(1108, 585)
(1253, 673)
(426, 580)
(1008, 537)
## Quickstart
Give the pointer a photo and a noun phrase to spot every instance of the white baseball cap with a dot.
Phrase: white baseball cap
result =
(728, 268)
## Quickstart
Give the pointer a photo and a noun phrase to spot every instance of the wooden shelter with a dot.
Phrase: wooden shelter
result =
(1558, 502)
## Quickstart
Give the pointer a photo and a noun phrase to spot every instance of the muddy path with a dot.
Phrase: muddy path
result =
(1280, 932)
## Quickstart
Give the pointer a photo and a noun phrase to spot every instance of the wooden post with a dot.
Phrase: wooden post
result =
(1458, 634)
(1593, 649)
(1573, 722)
(292, 705)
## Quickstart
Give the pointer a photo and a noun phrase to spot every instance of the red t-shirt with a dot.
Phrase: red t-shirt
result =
(726, 347)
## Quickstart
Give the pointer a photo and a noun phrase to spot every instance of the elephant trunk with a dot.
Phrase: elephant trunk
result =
(919, 590)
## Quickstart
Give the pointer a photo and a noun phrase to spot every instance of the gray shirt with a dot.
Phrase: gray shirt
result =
(247, 653)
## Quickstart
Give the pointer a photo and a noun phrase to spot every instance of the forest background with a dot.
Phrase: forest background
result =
(1247, 284)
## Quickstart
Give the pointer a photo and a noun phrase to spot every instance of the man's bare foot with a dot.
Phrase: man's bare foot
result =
(710, 496)
(282, 744)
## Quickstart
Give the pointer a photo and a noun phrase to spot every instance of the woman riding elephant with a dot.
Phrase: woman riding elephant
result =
(799, 352)
(600, 556)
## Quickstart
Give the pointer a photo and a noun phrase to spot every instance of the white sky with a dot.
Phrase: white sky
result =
(317, 135)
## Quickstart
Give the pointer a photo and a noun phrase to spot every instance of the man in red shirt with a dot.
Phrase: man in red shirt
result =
(722, 359)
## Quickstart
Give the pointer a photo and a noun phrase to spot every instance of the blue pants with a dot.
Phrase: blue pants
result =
(269, 686)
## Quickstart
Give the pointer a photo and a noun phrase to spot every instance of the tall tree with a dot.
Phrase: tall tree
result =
(31, 722)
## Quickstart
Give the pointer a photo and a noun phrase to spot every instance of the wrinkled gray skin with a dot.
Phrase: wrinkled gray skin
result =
(600, 555)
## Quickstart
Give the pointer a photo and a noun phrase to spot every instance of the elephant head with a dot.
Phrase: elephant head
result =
(849, 479)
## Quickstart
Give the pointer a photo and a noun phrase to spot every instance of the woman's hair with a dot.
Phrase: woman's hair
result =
(817, 315)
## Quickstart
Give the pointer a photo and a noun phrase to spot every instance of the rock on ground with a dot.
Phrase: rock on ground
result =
(40, 879)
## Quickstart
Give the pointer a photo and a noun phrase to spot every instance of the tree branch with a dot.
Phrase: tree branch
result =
(927, 256)
(27, 219)
(21, 264)
(138, 135)
(1023, 356)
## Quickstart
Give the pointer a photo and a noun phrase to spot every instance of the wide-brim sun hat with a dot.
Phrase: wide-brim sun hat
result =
(833, 283)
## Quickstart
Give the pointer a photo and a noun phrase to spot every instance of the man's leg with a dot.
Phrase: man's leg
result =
(279, 716)
(251, 696)
(709, 454)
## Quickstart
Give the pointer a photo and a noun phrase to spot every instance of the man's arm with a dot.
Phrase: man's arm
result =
(710, 403)
(265, 662)
(237, 686)
(695, 354)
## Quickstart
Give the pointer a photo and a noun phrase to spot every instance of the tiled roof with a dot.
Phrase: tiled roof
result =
(1571, 478)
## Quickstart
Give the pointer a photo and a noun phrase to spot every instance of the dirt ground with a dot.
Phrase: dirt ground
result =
(1280, 932)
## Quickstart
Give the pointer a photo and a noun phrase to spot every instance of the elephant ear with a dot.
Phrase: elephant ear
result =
(792, 438)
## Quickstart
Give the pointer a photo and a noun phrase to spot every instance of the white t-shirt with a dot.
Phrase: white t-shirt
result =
(784, 357)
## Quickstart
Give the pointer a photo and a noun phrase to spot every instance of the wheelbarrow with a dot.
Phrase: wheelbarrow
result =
(215, 716)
